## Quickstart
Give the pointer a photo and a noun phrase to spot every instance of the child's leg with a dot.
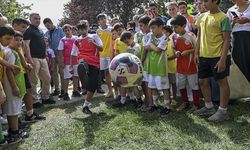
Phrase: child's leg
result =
(145, 91)
(224, 92)
(66, 85)
(193, 84)
(13, 123)
(75, 83)
(182, 82)
(166, 93)
(123, 95)
(206, 90)
(155, 96)
(108, 81)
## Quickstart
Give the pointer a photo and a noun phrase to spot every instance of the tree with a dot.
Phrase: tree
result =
(12, 9)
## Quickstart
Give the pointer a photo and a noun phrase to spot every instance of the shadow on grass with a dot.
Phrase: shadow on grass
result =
(92, 124)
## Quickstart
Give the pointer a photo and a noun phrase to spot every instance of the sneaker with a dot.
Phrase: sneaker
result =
(193, 108)
(86, 110)
(100, 90)
(138, 103)
(164, 112)
(62, 94)
(84, 92)
(3, 120)
(33, 118)
(66, 97)
(152, 108)
(14, 138)
(37, 105)
(118, 104)
(219, 116)
(204, 111)
(48, 101)
(183, 106)
(109, 94)
(55, 93)
(76, 94)
(173, 102)
(143, 108)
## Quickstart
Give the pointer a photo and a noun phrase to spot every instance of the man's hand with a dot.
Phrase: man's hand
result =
(220, 66)
(243, 20)
(28, 67)
(177, 53)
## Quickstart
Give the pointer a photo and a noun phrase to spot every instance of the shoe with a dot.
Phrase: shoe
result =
(86, 110)
(109, 94)
(55, 93)
(204, 111)
(164, 112)
(219, 116)
(14, 138)
(118, 104)
(37, 105)
(152, 108)
(173, 103)
(183, 106)
(143, 108)
(22, 125)
(84, 92)
(62, 94)
(76, 94)
(48, 101)
(3, 120)
(33, 118)
(138, 103)
(100, 90)
(193, 108)
(66, 97)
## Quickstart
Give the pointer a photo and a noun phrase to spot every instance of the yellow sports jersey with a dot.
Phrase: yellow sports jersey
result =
(212, 27)
(171, 63)
(106, 37)
(1, 67)
(120, 46)
(21, 52)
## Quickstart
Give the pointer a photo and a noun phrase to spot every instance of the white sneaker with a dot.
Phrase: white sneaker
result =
(219, 116)
(3, 120)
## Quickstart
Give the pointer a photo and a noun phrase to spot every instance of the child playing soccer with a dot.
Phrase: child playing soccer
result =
(65, 48)
(183, 43)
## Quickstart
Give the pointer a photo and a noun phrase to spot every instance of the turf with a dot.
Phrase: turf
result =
(67, 128)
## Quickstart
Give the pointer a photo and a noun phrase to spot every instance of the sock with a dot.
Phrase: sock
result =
(167, 104)
(223, 109)
(132, 96)
(184, 95)
(209, 105)
(30, 112)
(155, 100)
(123, 99)
(196, 97)
(86, 104)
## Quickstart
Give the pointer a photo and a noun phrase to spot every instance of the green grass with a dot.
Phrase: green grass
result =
(67, 128)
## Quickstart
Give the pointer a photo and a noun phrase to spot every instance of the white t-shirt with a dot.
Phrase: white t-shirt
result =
(239, 27)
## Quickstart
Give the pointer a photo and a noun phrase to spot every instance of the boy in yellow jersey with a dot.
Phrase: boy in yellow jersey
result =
(211, 54)
(105, 35)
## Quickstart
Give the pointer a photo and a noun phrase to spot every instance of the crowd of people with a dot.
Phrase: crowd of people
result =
(181, 53)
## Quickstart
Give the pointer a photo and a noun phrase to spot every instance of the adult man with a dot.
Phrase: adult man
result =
(35, 50)
(55, 34)
(183, 10)
(154, 8)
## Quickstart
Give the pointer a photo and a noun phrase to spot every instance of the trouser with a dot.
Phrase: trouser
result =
(57, 70)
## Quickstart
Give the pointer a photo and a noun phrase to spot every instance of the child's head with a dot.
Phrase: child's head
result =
(119, 28)
(154, 8)
(156, 26)
(6, 35)
(173, 9)
(46, 40)
(200, 6)
(16, 42)
(102, 19)
(67, 29)
(127, 38)
(74, 31)
(167, 30)
(83, 27)
(182, 7)
(143, 23)
(179, 23)
(20, 24)
(210, 4)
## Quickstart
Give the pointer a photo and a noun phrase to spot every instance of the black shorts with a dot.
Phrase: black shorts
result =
(27, 81)
(206, 68)
(92, 81)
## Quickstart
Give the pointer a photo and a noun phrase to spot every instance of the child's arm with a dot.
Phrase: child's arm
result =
(154, 48)
(14, 68)
(11, 78)
(97, 43)
(197, 48)
(26, 65)
(61, 61)
(27, 51)
(2, 94)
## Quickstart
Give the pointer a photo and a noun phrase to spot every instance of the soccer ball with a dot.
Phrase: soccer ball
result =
(126, 70)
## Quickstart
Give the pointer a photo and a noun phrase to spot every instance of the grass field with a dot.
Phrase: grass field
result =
(67, 128)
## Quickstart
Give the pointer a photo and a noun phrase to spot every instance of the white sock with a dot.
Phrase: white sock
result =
(223, 109)
(30, 112)
(209, 105)
(155, 100)
(123, 99)
(132, 96)
(167, 104)
(86, 104)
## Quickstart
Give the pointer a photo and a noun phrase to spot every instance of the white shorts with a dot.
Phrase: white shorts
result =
(145, 76)
(67, 74)
(188, 79)
(104, 63)
(157, 82)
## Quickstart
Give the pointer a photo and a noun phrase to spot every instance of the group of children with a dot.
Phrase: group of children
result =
(173, 59)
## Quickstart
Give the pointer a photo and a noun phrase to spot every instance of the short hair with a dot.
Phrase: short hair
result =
(126, 35)
(34, 14)
(153, 5)
(18, 34)
(178, 20)
(131, 24)
(168, 29)
(99, 16)
(67, 26)
(172, 4)
(218, 2)
(19, 21)
(82, 25)
(6, 30)
(156, 21)
(182, 3)
(144, 19)
(118, 25)
(47, 20)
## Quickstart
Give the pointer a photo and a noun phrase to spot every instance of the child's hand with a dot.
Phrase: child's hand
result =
(15, 91)
(14, 68)
(152, 46)
(177, 53)
(28, 67)
(196, 58)
(242, 20)
(184, 53)
(220, 66)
